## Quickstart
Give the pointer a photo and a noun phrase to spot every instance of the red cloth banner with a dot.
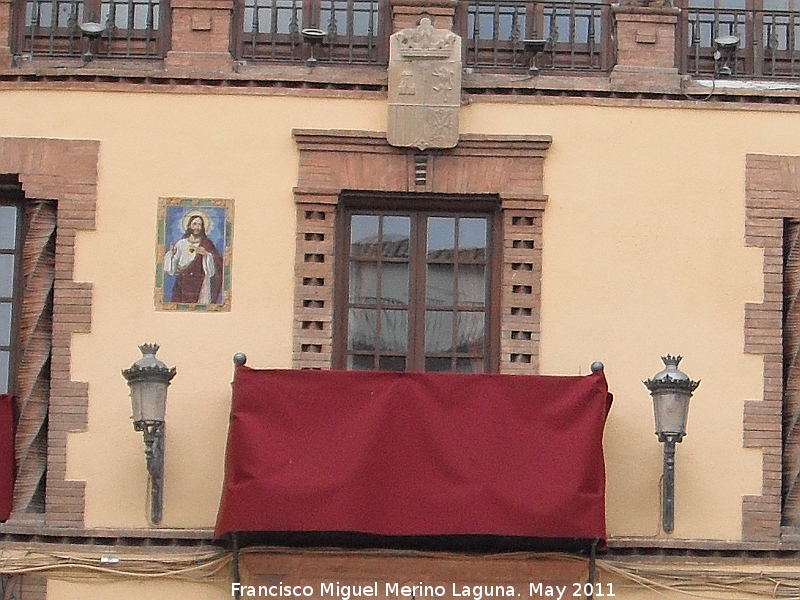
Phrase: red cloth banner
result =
(415, 454)
(7, 463)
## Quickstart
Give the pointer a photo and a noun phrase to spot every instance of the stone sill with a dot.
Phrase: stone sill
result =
(31, 532)
(633, 546)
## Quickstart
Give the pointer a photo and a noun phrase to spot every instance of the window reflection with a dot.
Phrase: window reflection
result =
(6, 275)
(432, 294)
(8, 227)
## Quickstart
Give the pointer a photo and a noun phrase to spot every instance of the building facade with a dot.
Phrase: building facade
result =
(607, 189)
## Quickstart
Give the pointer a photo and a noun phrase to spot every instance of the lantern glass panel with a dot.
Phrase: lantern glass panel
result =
(671, 410)
(148, 400)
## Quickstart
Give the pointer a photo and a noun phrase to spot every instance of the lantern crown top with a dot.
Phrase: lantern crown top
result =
(149, 367)
(671, 377)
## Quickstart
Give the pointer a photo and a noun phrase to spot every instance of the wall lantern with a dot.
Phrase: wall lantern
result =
(149, 379)
(725, 52)
(92, 32)
(671, 390)
(313, 37)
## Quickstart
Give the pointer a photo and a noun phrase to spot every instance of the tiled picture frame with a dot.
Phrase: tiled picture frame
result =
(193, 254)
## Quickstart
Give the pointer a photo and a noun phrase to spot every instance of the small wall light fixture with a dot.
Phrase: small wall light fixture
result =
(313, 37)
(92, 32)
(149, 379)
(671, 390)
(725, 54)
(533, 48)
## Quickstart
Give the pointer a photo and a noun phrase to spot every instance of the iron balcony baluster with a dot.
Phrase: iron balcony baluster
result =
(273, 28)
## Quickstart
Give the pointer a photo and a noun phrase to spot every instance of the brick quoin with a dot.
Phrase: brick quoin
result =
(772, 194)
(64, 171)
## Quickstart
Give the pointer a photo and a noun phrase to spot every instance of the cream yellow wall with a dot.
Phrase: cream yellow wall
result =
(644, 255)
(93, 588)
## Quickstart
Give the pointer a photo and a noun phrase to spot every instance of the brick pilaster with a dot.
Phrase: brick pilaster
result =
(5, 33)
(772, 195)
(645, 46)
(407, 13)
(201, 35)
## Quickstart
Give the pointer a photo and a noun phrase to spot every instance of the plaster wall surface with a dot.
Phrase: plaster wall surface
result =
(644, 255)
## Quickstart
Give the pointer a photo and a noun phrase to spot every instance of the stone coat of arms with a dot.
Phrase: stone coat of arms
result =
(424, 87)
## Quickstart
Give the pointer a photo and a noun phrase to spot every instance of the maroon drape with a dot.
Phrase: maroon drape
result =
(415, 454)
(7, 463)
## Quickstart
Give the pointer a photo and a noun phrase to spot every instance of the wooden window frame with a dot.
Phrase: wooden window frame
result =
(151, 42)
(11, 195)
(419, 207)
(284, 46)
(498, 54)
(754, 58)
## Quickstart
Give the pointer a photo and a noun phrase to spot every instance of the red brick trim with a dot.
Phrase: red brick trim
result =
(772, 194)
(64, 171)
(508, 167)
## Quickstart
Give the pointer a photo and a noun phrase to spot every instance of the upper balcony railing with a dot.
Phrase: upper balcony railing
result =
(131, 28)
(356, 31)
(769, 39)
(577, 34)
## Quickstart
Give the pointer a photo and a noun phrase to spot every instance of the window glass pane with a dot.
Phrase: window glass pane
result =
(471, 286)
(469, 365)
(8, 227)
(394, 330)
(65, 13)
(396, 234)
(438, 363)
(363, 282)
(394, 283)
(471, 332)
(45, 14)
(363, 235)
(361, 329)
(365, 18)
(6, 275)
(4, 357)
(472, 234)
(360, 363)
(440, 285)
(438, 331)
(441, 237)
(5, 324)
(392, 363)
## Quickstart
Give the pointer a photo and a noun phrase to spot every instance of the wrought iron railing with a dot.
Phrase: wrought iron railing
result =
(131, 28)
(355, 30)
(769, 41)
(577, 34)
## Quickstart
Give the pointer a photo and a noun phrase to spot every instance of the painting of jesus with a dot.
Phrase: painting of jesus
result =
(193, 268)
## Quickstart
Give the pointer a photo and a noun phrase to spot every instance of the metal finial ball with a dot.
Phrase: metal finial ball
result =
(597, 366)
(239, 358)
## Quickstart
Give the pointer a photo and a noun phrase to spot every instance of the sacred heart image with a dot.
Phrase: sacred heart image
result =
(193, 254)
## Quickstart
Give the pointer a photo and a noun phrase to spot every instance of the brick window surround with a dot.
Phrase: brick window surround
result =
(509, 168)
(64, 171)
(772, 195)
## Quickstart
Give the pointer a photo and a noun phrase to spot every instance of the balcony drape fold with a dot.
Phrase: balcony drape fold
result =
(7, 463)
(415, 454)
